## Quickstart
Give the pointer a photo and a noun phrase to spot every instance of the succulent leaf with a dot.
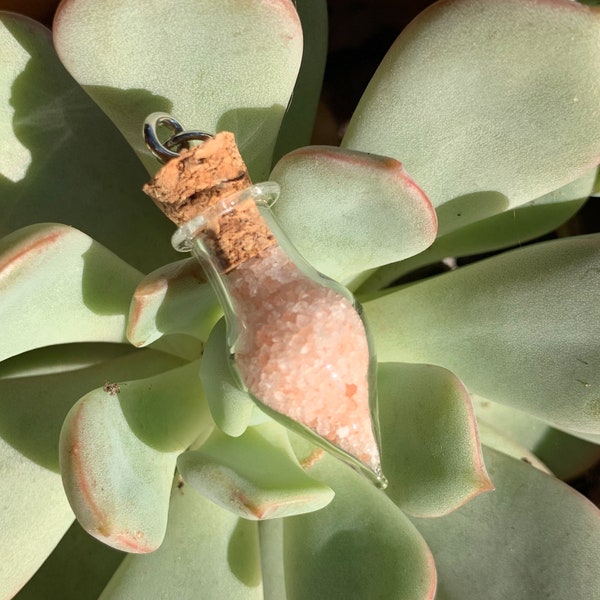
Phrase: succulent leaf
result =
(78, 569)
(238, 76)
(57, 274)
(534, 537)
(32, 410)
(61, 358)
(118, 448)
(497, 439)
(172, 299)
(32, 522)
(475, 132)
(520, 328)
(359, 546)
(565, 455)
(256, 475)
(230, 407)
(62, 160)
(224, 550)
(386, 216)
(510, 228)
(430, 446)
(297, 124)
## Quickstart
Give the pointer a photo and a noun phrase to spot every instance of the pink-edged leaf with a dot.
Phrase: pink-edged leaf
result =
(256, 475)
(173, 299)
(534, 537)
(58, 286)
(351, 211)
(223, 552)
(35, 397)
(511, 228)
(488, 103)
(213, 65)
(118, 449)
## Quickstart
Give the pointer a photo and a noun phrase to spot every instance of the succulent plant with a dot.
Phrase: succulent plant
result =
(116, 402)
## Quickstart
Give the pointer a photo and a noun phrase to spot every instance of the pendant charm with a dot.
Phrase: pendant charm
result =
(298, 342)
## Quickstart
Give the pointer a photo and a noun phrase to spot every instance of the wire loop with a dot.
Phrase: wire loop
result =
(170, 148)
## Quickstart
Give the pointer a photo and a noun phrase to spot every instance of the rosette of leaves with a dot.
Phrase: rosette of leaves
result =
(117, 406)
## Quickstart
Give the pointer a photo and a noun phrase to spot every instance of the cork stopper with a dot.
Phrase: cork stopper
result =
(198, 179)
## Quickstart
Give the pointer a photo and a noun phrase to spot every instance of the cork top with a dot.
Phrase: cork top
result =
(187, 186)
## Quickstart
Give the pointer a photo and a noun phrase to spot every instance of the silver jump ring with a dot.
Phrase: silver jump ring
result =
(180, 138)
(185, 137)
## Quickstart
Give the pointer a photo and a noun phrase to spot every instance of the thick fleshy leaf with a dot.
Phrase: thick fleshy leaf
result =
(590, 437)
(255, 476)
(78, 569)
(520, 328)
(118, 448)
(565, 455)
(173, 299)
(430, 447)
(222, 551)
(49, 169)
(478, 134)
(34, 509)
(386, 217)
(61, 358)
(498, 440)
(34, 406)
(55, 275)
(231, 408)
(297, 125)
(510, 228)
(214, 65)
(34, 515)
(534, 537)
(360, 546)
(270, 534)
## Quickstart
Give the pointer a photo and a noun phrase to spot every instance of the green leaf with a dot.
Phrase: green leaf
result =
(534, 537)
(594, 438)
(297, 125)
(510, 228)
(223, 553)
(118, 448)
(62, 160)
(360, 546)
(213, 65)
(78, 569)
(430, 447)
(34, 406)
(565, 455)
(230, 407)
(478, 134)
(385, 215)
(35, 513)
(54, 275)
(255, 476)
(173, 299)
(61, 358)
(499, 440)
(270, 533)
(520, 328)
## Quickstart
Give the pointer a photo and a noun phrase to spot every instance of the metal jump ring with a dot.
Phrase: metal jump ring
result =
(162, 150)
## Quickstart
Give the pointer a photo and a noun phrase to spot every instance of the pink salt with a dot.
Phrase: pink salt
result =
(304, 353)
